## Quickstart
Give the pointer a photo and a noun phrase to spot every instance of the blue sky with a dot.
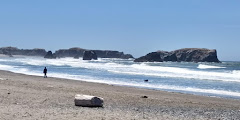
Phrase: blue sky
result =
(132, 26)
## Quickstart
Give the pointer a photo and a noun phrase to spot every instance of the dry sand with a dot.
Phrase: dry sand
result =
(24, 97)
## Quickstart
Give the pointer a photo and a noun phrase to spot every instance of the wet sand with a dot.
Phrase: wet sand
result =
(24, 97)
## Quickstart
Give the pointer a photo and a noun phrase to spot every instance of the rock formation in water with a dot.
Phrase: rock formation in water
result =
(27, 52)
(112, 54)
(186, 55)
(89, 55)
(150, 57)
(72, 52)
(78, 52)
(50, 55)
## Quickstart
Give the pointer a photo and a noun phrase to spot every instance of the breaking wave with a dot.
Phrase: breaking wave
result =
(106, 70)
(201, 66)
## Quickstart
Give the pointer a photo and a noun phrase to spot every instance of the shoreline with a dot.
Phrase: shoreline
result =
(33, 97)
(141, 87)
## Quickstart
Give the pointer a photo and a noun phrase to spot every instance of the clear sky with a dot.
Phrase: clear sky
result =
(132, 26)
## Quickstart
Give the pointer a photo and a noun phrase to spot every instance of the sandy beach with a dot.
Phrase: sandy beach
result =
(24, 97)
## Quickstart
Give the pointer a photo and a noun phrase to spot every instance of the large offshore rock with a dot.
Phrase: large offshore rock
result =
(27, 52)
(78, 52)
(34, 52)
(150, 57)
(112, 54)
(50, 55)
(61, 53)
(186, 55)
(71, 52)
(196, 55)
(89, 55)
(88, 101)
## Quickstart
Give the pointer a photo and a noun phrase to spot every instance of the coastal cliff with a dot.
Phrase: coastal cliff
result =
(112, 54)
(78, 52)
(72, 52)
(185, 55)
(27, 52)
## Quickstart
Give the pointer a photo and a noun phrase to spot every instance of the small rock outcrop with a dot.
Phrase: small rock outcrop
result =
(50, 55)
(185, 55)
(89, 55)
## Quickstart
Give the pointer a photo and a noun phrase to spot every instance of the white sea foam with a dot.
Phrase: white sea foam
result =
(170, 87)
(237, 72)
(43, 62)
(175, 72)
(6, 67)
(202, 66)
(130, 83)
(151, 86)
(190, 89)
(77, 63)
(3, 60)
(139, 69)
(144, 85)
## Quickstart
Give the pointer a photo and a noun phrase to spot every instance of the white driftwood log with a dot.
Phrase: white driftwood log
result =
(88, 101)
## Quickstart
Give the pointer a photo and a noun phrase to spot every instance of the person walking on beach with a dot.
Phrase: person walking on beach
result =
(45, 72)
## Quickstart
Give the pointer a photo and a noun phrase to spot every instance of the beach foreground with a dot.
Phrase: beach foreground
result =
(31, 98)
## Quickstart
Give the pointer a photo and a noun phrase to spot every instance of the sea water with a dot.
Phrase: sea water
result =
(208, 79)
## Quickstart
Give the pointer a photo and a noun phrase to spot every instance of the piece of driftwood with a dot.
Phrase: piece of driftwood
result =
(88, 101)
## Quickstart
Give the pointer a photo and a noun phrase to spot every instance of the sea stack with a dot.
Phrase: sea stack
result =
(181, 55)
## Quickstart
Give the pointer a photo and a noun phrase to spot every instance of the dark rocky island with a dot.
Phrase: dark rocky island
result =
(78, 52)
(185, 55)
(72, 52)
(61, 53)
(27, 52)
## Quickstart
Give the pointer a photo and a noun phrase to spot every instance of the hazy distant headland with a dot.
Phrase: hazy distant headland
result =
(186, 54)
(61, 53)
(27, 52)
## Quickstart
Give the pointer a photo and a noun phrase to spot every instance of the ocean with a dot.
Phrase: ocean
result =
(207, 79)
